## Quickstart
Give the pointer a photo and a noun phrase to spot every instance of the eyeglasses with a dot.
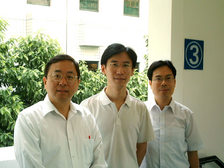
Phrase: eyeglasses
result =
(115, 65)
(57, 76)
(160, 80)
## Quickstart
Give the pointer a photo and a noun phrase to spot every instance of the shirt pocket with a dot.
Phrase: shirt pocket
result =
(88, 151)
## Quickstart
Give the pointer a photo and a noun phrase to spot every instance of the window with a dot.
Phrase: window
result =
(92, 65)
(39, 2)
(89, 5)
(131, 7)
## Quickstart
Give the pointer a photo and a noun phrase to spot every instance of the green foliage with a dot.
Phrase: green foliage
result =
(21, 71)
(138, 86)
(22, 65)
(3, 24)
(10, 107)
(91, 83)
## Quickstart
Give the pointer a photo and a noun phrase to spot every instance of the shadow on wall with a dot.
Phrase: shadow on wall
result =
(7, 158)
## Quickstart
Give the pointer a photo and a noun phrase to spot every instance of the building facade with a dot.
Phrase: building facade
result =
(84, 28)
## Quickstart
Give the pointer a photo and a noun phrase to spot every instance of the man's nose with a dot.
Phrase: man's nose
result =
(163, 82)
(120, 69)
(63, 81)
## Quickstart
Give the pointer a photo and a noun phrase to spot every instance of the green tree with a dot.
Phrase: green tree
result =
(91, 83)
(21, 71)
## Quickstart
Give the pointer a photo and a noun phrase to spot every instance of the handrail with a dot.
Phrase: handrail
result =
(211, 159)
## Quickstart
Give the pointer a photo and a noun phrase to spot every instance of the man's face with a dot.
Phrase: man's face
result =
(61, 91)
(118, 70)
(163, 91)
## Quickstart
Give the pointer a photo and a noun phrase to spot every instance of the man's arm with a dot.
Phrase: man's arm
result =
(141, 151)
(98, 151)
(193, 159)
(26, 146)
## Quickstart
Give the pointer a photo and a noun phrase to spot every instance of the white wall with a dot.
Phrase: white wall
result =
(201, 90)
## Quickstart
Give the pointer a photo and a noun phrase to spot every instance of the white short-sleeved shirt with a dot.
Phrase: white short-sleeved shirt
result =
(176, 133)
(122, 130)
(44, 138)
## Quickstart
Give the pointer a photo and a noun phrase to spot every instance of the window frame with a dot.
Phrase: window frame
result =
(89, 9)
(39, 2)
(88, 63)
(131, 7)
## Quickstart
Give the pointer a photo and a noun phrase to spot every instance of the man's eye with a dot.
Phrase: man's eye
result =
(57, 76)
(168, 78)
(70, 77)
(126, 65)
(158, 79)
(115, 65)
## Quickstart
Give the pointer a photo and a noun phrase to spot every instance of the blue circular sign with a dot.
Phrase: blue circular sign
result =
(193, 54)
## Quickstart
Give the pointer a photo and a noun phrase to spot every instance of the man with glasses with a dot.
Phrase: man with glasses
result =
(123, 120)
(173, 123)
(57, 133)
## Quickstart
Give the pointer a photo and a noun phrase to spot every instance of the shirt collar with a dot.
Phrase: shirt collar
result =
(49, 107)
(105, 99)
(153, 104)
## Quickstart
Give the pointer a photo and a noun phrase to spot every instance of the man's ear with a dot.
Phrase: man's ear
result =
(133, 71)
(103, 69)
(45, 82)
(150, 83)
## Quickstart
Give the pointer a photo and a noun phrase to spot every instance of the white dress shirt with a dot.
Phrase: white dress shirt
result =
(176, 133)
(43, 138)
(121, 130)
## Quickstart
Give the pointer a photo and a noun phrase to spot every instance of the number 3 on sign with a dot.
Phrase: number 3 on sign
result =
(193, 56)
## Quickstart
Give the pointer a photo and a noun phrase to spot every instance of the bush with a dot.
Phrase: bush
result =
(21, 71)
(10, 107)
(91, 83)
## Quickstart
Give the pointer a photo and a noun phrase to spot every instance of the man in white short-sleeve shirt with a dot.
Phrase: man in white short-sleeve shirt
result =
(123, 120)
(174, 125)
(57, 133)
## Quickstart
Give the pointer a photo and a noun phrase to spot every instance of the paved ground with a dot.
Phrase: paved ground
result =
(7, 158)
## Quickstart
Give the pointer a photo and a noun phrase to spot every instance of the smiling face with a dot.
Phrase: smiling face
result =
(61, 91)
(118, 71)
(162, 91)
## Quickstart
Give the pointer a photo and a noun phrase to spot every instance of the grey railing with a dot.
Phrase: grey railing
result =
(209, 159)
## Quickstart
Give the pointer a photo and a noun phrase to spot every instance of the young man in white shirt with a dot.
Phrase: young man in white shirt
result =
(123, 120)
(56, 132)
(174, 125)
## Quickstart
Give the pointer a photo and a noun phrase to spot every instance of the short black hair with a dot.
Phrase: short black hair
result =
(58, 58)
(158, 64)
(117, 48)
